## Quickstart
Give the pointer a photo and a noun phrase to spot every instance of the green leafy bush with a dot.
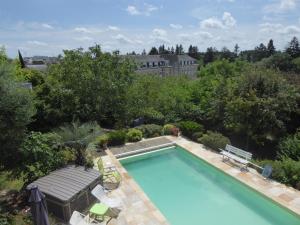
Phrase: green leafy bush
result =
(214, 140)
(167, 129)
(88, 162)
(40, 155)
(153, 116)
(117, 137)
(188, 128)
(134, 135)
(68, 155)
(102, 141)
(290, 147)
(197, 135)
(286, 171)
(150, 130)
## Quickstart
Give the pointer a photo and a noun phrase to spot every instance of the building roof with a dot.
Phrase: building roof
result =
(41, 67)
(65, 183)
(146, 58)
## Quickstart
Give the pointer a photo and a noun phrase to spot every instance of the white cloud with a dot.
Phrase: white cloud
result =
(122, 39)
(33, 25)
(48, 26)
(176, 26)
(84, 38)
(82, 30)
(185, 37)
(212, 22)
(113, 28)
(228, 19)
(270, 27)
(149, 9)
(159, 32)
(279, 29)
(37, 43)
(215, 23)
(281, 6)
(290, 30)
(160, 36)
(132, 10)
(146, 10)
(89, 31)
(204, 35)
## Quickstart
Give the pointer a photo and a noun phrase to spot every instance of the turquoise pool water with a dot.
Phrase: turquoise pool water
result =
(188, 191)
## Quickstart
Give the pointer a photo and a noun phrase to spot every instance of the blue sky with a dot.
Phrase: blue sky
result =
(46, 27)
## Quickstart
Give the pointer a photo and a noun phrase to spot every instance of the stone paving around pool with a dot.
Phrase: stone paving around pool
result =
(139, 210)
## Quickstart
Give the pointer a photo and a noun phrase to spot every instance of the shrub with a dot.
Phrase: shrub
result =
(150, 130)
(167, 129)
(117, 137)
(188, 128)
(102, 141)
(197, 135)
(286, 171)
(68, 155)
(175, 131)
(214, 140)
(88, 162)
(170, 129)
(153, 116)
(40, 155)
(134, 135)
(290, 147)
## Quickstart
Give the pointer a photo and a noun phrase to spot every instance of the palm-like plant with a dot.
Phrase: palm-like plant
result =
(78, 136)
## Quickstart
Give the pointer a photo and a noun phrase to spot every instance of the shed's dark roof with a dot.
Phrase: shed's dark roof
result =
(65, 183)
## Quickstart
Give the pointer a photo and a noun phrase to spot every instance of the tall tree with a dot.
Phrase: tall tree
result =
(210, 55)
(153, 51)
(161, 49)
(236, 50)
(181, 51)
(172, 50)
(260, 52)
(227, 54)
(293, 48)
(16, 111)
(271, 48)
(144, 52)
(177, 50)
(3, 56)
(193, 51)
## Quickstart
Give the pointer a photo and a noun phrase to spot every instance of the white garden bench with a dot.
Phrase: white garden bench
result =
(237, 155)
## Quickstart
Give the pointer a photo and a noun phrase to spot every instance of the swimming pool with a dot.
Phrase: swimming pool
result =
(189, 191)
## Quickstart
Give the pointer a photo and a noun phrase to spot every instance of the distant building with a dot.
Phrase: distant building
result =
(165, 65)
(39, 62)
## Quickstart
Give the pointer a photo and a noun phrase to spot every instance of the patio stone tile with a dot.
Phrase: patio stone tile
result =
(286, 197)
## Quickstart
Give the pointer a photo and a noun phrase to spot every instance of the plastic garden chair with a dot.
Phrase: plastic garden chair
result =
(78, 218)
(98, 211)
(100, 193)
